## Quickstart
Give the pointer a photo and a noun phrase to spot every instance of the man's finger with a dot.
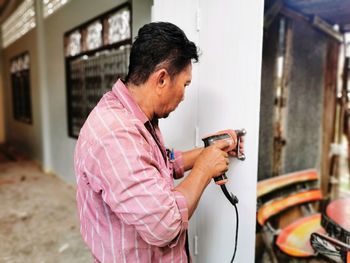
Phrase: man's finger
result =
(222, 144)
(232, 153)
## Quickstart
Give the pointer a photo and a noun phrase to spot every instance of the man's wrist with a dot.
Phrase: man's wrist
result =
(202, 173)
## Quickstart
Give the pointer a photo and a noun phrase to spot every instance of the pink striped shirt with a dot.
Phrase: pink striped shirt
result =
(127, 205)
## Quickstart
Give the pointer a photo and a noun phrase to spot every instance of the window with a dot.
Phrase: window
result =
(97, 54)
(20, 80)
(19, 23)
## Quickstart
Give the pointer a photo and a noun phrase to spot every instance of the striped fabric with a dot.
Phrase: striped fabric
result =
(128, 208)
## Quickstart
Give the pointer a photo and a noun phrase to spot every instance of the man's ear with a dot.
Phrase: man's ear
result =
(162, 79)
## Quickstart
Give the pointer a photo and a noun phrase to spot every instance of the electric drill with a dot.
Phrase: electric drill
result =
(222, 179)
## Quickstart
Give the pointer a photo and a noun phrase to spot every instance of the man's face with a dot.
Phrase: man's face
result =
(174, 92)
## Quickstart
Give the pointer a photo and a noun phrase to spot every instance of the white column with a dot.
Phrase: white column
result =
(229, 97)
(43, 87)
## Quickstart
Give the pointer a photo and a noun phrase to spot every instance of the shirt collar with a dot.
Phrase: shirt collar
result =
(123, 94)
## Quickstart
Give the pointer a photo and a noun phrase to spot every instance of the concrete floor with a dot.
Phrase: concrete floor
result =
(38, 217)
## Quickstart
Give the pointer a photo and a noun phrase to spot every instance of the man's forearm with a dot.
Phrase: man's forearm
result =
(206, 164)
(193, 185)
(192, 188)
(189, 157)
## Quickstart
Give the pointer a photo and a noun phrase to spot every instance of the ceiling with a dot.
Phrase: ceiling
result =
(7, 7)
(332, 11)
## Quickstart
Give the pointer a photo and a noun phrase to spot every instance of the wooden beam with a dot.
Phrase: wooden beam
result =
(315, 21)
(294, 14)
(326, 28)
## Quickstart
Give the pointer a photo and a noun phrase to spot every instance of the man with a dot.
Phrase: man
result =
(128, 206)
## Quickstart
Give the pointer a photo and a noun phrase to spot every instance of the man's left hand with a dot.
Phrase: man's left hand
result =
(231, 150)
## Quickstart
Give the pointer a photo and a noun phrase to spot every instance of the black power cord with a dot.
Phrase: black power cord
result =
(233, 200)
(221, 179)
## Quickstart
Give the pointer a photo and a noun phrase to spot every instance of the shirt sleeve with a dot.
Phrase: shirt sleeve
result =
(134, 189)
(178, 165)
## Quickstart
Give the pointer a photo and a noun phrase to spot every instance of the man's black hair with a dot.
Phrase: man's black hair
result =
(159, 44)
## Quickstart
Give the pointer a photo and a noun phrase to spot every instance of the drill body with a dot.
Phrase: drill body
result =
(209, 140)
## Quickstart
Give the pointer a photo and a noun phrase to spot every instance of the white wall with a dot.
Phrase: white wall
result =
(26, 137)
(46, 140)
(73, 14)
(225, 94)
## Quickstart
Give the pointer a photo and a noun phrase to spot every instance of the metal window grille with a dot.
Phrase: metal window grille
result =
(20, 80)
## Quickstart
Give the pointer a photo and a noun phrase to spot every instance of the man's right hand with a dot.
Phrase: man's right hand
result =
(213, 160)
